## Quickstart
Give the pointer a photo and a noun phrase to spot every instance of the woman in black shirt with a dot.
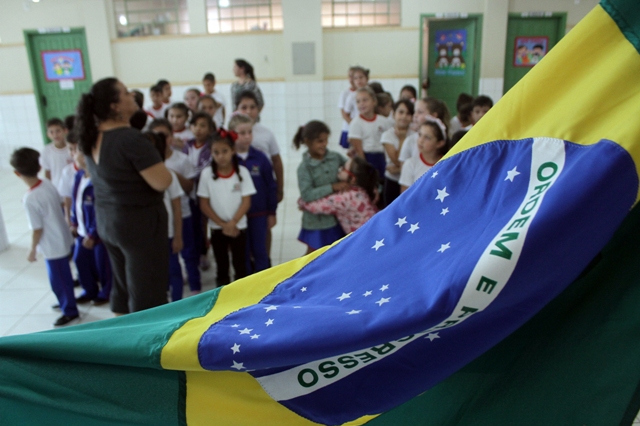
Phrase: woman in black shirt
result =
(129, 178)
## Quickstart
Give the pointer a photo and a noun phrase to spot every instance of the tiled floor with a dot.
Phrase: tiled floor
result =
(25, 295)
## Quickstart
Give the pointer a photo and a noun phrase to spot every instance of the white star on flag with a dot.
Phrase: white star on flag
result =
(255, 336)
(444, 211)
(444, 247)
(367, 293)
(512, 174)
(378, 244)
(383, 300)
(238, 365)
(344, 296)
(442, 194)
(353, 312)
(303, 289)
(432, 336)
(235, 348)
(271, 308)
(235, 326)
(384, 287)
(401, 221)
(246, 330)
(434, 175)
(414, 227)
(269, 322)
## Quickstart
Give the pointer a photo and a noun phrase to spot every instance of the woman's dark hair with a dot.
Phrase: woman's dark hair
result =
(181, 106)
(201, 115)
(218, 138)
(407, 103)
(366, 176)
(139, 97)
(139, 119)
(93, 108)
(158, 140)
(411, 89)
(437, 131)
(69, 122)
(309, 132)
(246, 67)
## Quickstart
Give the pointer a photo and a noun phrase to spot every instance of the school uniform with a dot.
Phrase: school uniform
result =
(225, 197)
(55, 159)
(157, 112)
(179, 163)
(265, 141)
(342, 106)
(263, 204)
(42, 204)
(370, 131)
(175, 271)
(199, 157)
(413, 169)
(92, 264)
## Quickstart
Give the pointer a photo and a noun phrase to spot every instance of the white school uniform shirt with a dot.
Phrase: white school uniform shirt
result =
(42, 203)
(55, 159)
(412, 169)
(369, 131)
(157, 113)
(185, 134)
(179, 163)
(225, 194)
(409, 148)
(84, 182)
(171, 193)
(342, 102)
(67, 179)
(218, 117)
(265, 141)
(389, 137)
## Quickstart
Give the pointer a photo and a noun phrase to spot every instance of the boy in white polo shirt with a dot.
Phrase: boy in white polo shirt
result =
(51, 235)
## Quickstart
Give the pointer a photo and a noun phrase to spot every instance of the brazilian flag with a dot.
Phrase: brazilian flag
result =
(501, 288)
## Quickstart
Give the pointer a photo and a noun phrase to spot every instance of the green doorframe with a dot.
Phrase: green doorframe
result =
(477, 54)
(34, 63)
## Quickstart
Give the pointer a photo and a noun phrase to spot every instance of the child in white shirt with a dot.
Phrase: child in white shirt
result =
(51, 235)
(55, 155)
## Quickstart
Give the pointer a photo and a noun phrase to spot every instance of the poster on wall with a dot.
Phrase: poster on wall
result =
(63, 65)
(451, 49)
(529, 50)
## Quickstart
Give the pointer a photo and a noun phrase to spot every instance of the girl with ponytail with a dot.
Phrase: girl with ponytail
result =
(129, 178)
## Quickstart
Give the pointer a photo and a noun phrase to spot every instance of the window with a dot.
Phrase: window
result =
(360, 13)
(151, 17)
(226, 16)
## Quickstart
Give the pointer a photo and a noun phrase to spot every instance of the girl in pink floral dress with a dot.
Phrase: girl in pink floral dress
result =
(354, 206)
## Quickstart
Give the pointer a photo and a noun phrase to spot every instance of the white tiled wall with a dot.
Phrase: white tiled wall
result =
(491, 87)
(288, 106)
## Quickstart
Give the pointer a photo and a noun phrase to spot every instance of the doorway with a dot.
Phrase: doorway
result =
(529, 37)
(450, 56)
(60, 71)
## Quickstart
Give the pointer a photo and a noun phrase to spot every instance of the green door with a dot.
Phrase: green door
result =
(528, 40)
(60, 71)
(453, 58)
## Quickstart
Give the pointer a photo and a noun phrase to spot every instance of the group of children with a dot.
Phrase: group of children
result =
(227, 183)
(390, 146)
